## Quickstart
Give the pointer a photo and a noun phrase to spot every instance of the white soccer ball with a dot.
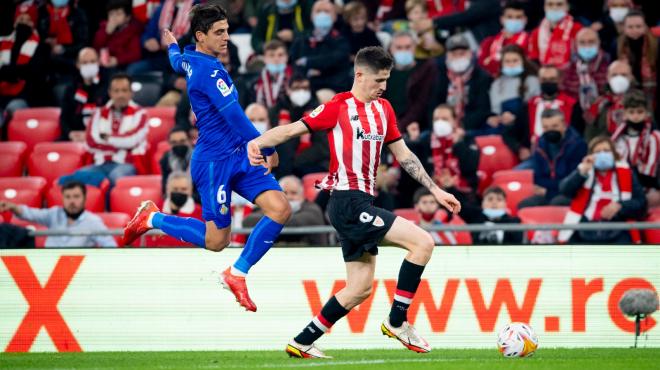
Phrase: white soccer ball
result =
(517, 340)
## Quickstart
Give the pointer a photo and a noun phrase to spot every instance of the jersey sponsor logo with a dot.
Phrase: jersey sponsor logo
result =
(317, 111)
(225, 90)
(361, 135)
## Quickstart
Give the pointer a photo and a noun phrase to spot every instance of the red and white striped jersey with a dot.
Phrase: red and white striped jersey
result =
(356, 133)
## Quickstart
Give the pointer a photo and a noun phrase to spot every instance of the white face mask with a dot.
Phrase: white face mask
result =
(459, 65)
(261, 126)
(619, 84)
(89, 70)
(300, 97)
(618, 13)
(442, 128)
(295, 205)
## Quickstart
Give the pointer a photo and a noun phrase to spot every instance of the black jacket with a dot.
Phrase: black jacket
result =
(330, 56)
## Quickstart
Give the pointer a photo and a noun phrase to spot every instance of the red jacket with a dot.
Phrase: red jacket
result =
(123, 44)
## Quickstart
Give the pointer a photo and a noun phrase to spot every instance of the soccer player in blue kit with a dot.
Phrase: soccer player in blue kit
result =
(219, 163)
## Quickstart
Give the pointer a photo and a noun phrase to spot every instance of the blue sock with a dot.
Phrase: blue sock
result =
(259, 242)
(183, 228)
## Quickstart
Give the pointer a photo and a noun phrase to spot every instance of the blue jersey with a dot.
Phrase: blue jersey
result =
(223, 126)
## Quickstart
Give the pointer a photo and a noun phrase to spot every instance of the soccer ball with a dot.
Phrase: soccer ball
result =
(517, 340)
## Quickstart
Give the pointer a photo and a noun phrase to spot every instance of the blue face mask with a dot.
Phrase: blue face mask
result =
(403, 58)
(512, 71)
(322, 21)
(494, 213)
(603, 161)
(555, 16)
(514, 26)
(275, 68)
(60, 3)
(283, 5)
(587, 53)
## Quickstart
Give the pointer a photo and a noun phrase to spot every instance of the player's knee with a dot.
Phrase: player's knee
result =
(217, 244)
(362, 293)
(279, 211)
(425, 246)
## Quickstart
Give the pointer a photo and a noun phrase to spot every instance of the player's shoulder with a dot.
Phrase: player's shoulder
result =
(385, 104)
(339, 99)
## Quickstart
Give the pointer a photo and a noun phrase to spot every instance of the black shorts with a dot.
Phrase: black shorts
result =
(360, 225)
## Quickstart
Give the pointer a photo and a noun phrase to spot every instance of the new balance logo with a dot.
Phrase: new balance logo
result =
(355, 118)
(361, 135)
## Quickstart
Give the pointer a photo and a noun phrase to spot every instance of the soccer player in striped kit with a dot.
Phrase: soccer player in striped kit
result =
(359, 123)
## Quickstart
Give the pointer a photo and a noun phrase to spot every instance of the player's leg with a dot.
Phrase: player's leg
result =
(419, 244)
(359, 282)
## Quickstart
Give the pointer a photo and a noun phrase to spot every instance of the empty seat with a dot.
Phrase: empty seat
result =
(12, 158)
(494, 154)
(130, 191)
(542, 215)
(23, 190)
(160, 121)
(35, 125)
(147, 88)
(115, 220)
(506, 176)
(309, 182)
(162, 148)
(94, 202)
(53, 160)
(516, 191)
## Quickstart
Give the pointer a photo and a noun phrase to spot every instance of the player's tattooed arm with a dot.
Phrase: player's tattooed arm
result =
(416, 170)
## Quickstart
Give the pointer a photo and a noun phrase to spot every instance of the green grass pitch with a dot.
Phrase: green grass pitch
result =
(445, 359)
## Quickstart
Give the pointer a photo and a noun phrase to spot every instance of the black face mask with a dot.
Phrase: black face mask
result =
(636, 126)
(74, 216)
(549, 88)
(180, 150)
(553, 136)
(179, 199)
(23, 31)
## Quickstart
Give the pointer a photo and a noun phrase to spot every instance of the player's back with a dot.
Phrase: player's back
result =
(210, 89)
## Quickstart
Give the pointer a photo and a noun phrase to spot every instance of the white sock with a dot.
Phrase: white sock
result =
(151, 216)
(234, 271)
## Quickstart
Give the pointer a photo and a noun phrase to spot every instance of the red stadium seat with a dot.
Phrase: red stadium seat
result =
(309, 182)
(39, 241)
(505, 176)
(35, 125)
(130, 191)
(52, 160)
(652, 236)
(409, 214)
(95, 201)
(12, 158)
(462, 237)
(23, 190)
(160, 121)
(160, 151)
(515, 192)
(495, 155)
(115, 220)
(543, 215)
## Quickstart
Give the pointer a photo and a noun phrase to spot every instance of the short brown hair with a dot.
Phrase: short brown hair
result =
(274, 44)
(352, 9)
(634, 99)
(446, 107)
(603, 139)
(410, 4)
(495, 190)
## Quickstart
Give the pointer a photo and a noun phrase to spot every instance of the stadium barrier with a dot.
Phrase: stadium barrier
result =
(158, 299)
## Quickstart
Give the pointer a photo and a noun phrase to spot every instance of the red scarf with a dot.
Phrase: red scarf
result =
(648, 70)
(457, 95)
(59, 25)
(494, 56)
(555, 45)
(269, 89)
(644, 156)
(26, 52)
(443, 158)
(439, 8)
(615, 114)
(143, 9)
(599, 190)
(181, 24)
(537, 105)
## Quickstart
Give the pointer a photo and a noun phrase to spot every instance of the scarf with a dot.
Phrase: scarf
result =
(494, 56)
(599, 190)
(25, 54)
(613, 104)
(439, 8)
(536, 107)
(588, 90)
(555, 44)
(187, 209)
(443, 157)
(644, 156)
(59, 25)
(180, 164)
(129, 128)
(269, 89)
(181, 24)
(143, 9)
(457, 94)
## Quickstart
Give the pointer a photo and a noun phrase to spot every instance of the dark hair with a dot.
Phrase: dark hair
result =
(121, 76)
(297, 77)
(375, 58)
(494, 190)
(75, 184)
(419, 193)
(513, 4)
(553, 112)
(447, 107)
(551, 66)
(274, 44)
(202, 17)
(176, 129)
(634, 99)
(528, 68)
(125, 5)
(352, 9)
(603, 139)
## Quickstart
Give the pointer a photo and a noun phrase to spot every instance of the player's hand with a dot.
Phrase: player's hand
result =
(447, 200)
(254, 154)
(168, 38)
(271, 162)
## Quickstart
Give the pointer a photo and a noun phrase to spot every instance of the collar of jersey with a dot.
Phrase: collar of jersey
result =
(190, 50)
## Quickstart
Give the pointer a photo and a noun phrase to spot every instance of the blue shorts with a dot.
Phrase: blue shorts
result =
(215, 181)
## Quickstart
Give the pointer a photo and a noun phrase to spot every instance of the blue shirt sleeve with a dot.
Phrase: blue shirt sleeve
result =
(176, 58)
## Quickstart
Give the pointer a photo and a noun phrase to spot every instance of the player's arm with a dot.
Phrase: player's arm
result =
(272, 138)
(173, 51)
(411, 164)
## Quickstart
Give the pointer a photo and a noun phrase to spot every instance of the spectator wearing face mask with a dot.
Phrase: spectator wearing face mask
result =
(179, 196)
(283, 20)
(610, 25)
(586, 76)
(553, 41)
(410, 85)
(322, 53)
(606, 114)
(493, 210)
(639, 143)
(427, 207)
(558, 152)
(463, 85)
(118, 37)
(81, 98)
(513, 22)
(303, 213)
(178, 157)
(275, 76)
(258, 115)
(603, 188)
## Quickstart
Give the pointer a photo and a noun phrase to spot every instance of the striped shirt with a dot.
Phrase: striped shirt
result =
(356, 133)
